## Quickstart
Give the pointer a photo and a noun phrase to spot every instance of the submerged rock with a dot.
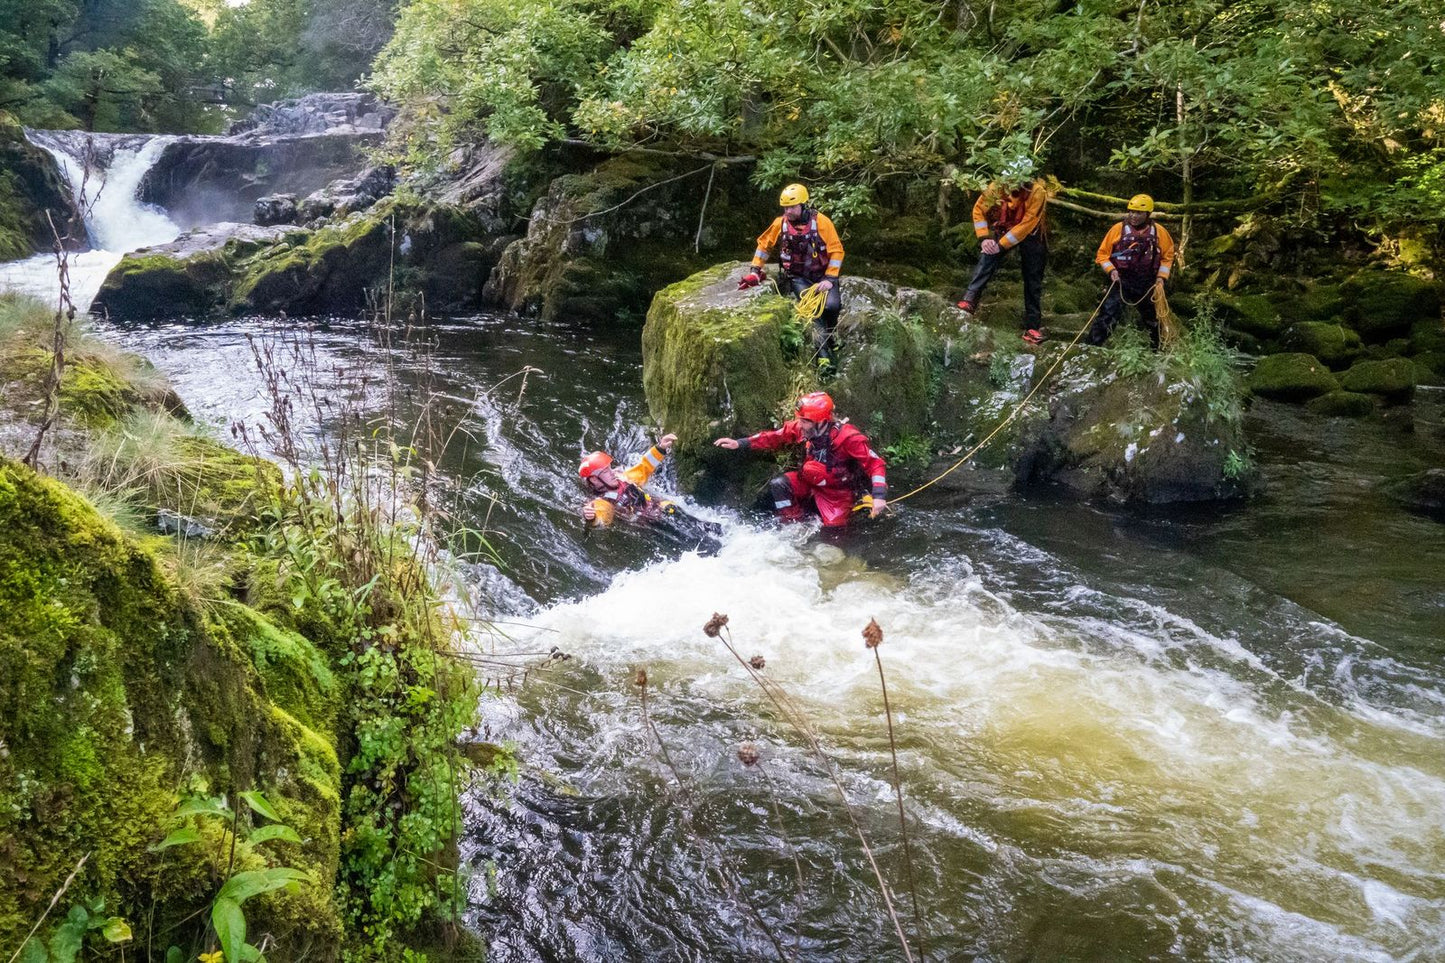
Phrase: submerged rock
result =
(1423, 492)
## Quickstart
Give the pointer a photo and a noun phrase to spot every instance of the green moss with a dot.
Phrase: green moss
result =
(1254, 314)
(295, 675)
(1333, 344)
(713, 360)
(1384, 304)
(1394, 378)
(1291, 377)
(1342, 404)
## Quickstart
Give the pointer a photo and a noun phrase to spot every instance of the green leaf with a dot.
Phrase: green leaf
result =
(203, 806)
(260, 804)
(116, 930)
(34, 952)
(65, 942)
(273, 831)
(230, 923)
(174, 955)
(250, 953)
(177, 837)
(243, 886)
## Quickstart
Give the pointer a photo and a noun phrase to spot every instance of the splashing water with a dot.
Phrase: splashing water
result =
(115, 221)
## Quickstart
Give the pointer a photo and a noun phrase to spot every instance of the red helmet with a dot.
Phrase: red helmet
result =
(817, 406)
(594, 463)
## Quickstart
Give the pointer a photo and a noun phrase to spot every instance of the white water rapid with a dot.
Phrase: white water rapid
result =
(115, 222)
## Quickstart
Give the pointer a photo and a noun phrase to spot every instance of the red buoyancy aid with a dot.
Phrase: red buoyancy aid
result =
(1136, 253)
(1009, 211)
(802, 251)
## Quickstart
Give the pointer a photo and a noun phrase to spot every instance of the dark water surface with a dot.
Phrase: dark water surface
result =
(1205, 734)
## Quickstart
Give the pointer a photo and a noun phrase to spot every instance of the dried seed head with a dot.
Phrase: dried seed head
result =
(714, 625)
(872, 634)
(758, 662)
(748, 754)
(640, 680)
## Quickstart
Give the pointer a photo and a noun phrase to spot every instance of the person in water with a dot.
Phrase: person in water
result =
(621, 495)
(840, 472)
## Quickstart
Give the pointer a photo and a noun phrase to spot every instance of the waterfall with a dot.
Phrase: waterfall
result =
(115, 221)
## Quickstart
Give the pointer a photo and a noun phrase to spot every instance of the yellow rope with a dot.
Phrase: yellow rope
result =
(811, 303)
(1017, 408)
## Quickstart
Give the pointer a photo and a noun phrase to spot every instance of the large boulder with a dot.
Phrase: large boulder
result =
(275, 209)
(1392, 378)
(922, 380)
(1292, 376)
(1343, 404)
(347, 195)
(189, 277)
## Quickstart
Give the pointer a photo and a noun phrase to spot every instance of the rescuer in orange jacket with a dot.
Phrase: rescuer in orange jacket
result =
(809, 252)
(620, 495)
(1138, 255)
(1009, 214)
(840, 471)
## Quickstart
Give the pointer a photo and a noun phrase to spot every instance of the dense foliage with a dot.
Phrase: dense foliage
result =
(177, 65)
(1323, 105)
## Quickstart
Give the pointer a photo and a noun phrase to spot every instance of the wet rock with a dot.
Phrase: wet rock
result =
(1254, 314)
(1291, 377)
(30, 185)
(1423, 492)
(174, 523)
(1343, 404)
(318, 113)
(189, 277)
(349, 195)
(1430, 367)
(1335, 345)
(1394, 378)
(275, 209)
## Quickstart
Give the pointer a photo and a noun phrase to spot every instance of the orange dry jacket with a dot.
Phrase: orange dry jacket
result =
(1033, 213)
(769, 240)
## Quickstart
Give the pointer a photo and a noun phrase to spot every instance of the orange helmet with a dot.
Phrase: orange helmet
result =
(594, 463)
(817, 406)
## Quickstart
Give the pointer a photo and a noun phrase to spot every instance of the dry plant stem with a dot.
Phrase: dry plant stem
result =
(790, 711)
(53, 900)
(726, 878)
(64, 311)
(902, 818)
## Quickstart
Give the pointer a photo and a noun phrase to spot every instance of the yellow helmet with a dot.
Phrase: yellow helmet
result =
(793, 194)
(1142, 202)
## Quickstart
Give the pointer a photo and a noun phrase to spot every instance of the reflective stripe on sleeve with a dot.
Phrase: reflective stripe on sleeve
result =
(783, 504)
(879, 480)
(835, 262)
(1163, 270)
(980, 225)
(1107, 266)
(760, 255)
(1009, 239)
(652, 459)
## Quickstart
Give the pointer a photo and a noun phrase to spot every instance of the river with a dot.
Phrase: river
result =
(1213, 734)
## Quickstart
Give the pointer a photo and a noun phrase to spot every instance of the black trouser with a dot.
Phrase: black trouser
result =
(824, 329)
(1132, 289)
(1033, 258)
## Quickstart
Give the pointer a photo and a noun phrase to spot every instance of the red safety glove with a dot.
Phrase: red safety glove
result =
(750, 280)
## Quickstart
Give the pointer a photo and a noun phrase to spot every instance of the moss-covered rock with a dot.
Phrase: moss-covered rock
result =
(1393, 378)
(915, 374)
(1335, 345)
(1343, 404)
(1384, 304)
(713, 361)
(603, 242)
(1291, 377)
(30, 185)
(1254, 314)
(115, 693)
(1430, 367)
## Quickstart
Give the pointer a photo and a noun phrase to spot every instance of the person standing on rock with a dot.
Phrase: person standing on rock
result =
(1009, 214)
(810, 253)
(840, 471)
(1138, 255)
